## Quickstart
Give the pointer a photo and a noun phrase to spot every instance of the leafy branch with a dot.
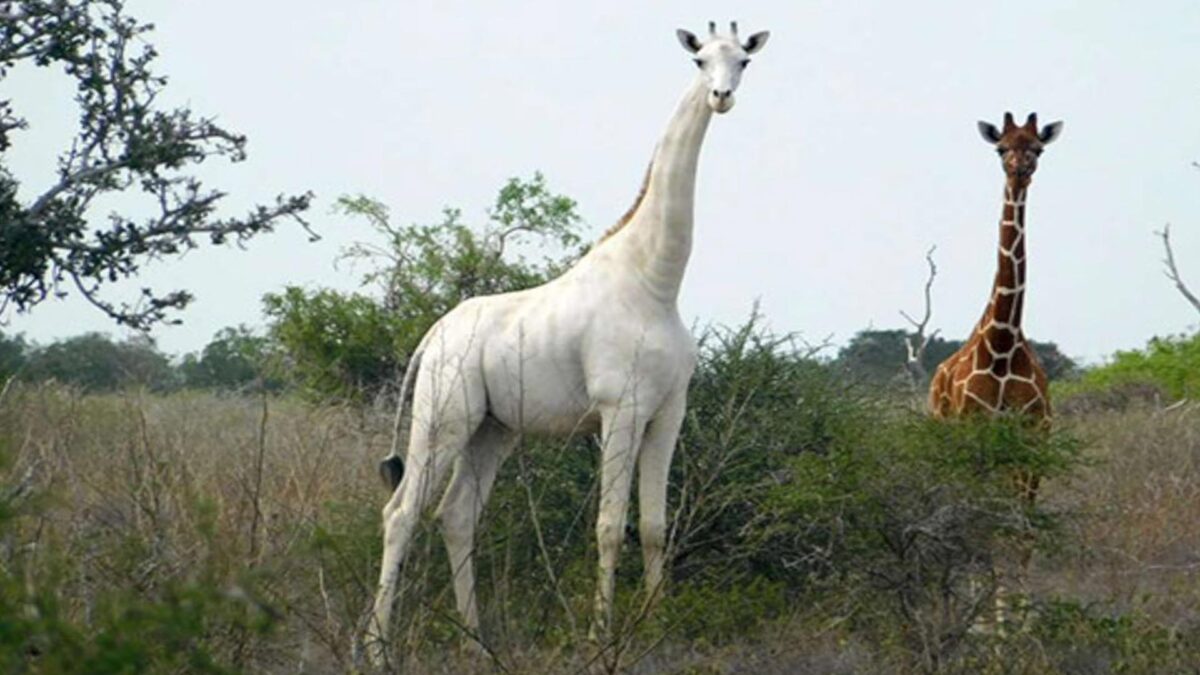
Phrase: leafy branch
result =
(124, 143)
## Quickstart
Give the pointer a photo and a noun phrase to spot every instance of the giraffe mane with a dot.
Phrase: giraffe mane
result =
(637, 202)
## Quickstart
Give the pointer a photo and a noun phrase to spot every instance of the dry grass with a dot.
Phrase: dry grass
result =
(1136, 538)
(142, 492)
(277, 502)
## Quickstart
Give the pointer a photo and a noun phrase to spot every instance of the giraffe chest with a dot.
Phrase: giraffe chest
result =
(995, 375)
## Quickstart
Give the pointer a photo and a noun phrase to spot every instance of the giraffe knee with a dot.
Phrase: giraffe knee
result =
(653, 534)
(397, 526)
(458, 529)
(608, 537)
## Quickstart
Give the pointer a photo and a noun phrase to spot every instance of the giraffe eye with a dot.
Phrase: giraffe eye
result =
(1000, 151)
(699, 62)
(745, 62)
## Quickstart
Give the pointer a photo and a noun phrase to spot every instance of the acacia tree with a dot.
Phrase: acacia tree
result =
(125, 142)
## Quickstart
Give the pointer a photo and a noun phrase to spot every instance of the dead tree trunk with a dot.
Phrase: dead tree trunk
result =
(1171, 271)
(917, 341)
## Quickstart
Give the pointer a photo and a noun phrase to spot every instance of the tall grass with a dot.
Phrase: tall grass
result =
(139, 502)
(814, 529)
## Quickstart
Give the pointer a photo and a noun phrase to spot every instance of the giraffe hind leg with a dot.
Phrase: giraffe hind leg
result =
(447, 415)
(470, 486)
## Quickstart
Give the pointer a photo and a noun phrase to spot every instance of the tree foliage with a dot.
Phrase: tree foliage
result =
(94, 362)
(423, 271)
(234, 359)
(1169, 364)
(12, 356)
(126, 142)
(352, 344)
(333, 344)
(878, 356)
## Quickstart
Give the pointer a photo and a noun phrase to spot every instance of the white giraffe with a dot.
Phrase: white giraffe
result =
(601, 347)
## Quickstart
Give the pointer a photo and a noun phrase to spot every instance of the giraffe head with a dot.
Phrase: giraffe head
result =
(721, 60)
(1020, 146)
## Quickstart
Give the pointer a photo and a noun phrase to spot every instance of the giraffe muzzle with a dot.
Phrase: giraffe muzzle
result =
(720, 101)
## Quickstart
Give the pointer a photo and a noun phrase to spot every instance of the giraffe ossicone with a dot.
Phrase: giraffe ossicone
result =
(600, 348)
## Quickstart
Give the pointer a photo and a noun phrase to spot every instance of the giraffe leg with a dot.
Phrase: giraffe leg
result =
(1028, 482)
(442, 426)
(621, 433)
(654, 464)
(468, 492)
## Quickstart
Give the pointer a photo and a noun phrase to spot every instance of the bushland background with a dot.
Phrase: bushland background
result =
(219, 510)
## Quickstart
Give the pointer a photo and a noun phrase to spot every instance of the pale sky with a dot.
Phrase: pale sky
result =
(851, 150)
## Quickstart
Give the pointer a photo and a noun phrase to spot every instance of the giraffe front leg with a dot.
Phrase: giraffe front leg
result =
(621, 433)
(654, 465)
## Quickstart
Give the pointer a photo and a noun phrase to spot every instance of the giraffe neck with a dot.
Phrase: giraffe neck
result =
(1008, 291)
(658, 237)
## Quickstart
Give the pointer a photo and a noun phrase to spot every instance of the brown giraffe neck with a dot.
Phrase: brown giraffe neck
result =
(1007, 301)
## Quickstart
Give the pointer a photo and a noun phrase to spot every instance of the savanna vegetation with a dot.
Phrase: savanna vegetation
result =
(817, 527)
(219, 512)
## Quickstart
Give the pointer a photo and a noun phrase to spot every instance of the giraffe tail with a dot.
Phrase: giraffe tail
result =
(391, 469)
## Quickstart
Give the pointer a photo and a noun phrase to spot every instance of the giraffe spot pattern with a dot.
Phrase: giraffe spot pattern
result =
(996, 370)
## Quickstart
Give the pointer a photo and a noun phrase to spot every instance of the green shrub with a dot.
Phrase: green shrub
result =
(714, 615)
(1089, 638)
(911, 519)
(351, 345)
(1171, 364)
(234, 359)
(756, 400)
(335, 345)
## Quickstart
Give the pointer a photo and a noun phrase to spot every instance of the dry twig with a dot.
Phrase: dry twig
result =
(1171, 271)
(918, 341)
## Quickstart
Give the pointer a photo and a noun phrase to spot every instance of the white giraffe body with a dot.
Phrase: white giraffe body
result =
(549, 357)
(602, 347)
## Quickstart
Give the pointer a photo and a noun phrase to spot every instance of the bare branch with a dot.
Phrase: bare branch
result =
(1171, 271)
(918, 340)
(809, 350)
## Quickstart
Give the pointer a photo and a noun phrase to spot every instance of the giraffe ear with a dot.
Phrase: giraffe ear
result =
(755, 42)
(989, 132)
(688, 40)
(1050, 132)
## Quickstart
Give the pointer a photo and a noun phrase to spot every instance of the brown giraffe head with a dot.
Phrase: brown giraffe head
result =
(1019, 146)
